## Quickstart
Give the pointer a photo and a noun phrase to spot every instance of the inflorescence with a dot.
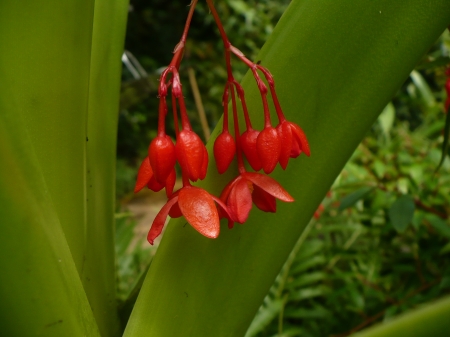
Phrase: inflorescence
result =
(262, 150)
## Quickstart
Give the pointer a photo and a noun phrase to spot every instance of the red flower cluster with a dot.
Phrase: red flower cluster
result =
(262, 149)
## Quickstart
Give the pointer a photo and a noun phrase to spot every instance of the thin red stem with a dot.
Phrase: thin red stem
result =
(225, 108)
(175, 114)
(240, 92)
(162, 116)
(237, 133)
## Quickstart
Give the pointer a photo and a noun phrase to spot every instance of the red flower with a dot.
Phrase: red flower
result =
(224, 151)
(147, 178)
(161, 153)
(197, 206)
(254, 187)
(192, 155)
(294, 142)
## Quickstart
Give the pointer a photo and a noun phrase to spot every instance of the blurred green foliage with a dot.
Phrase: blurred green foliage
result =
(381, 245)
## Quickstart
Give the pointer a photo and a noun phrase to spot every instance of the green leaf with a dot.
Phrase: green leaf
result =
(354, 197)
(401, 212)
(386, 119)
(424, 89)
(430, 320)
(439, 224)
(445, 144)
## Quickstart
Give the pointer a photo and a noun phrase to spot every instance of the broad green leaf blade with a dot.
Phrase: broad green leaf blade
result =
(333, 78)
(46, 52)
(99, 270)
(354, 197)
(430, 320)
(40, 290)
(401, 212)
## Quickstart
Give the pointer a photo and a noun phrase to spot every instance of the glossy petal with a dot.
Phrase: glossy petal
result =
(144, 174)
(248, 145)
(204, 168)
(223, 211)
(300, 137)
(162, 157)
(190, 153)
(268, 146)
(263, 200)
(160, 220)
(224, 151)
(199, 209)
(170, 183)
(239, 201)
(269, 185)
(154, 185)
(285, 134)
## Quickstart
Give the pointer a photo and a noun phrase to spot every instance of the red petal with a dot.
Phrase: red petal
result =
(175, 211)
(162, 157)
(300, 136)
(224, 151)
(227, 189)
(160, 220)
(248, 145)
(190, 153)
(204, 168)
(263, 200)
(268, 146)
(170, 183)
(240, 201)
(144, 174)
(285, 134)
(154, 185)
(269, 185)
(199, 209)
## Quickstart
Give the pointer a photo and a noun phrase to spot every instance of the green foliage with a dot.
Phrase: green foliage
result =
(381, 246)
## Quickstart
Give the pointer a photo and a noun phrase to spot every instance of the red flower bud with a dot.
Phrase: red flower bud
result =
(191, 154)
(248, 145)
(224, 151)
(268, 146)
(162, 157)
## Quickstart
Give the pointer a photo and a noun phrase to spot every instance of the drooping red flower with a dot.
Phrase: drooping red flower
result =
(294, 142)
(224, 151)
(147, 178)
(268, 147)
(161, 153)
(197, 206)
(192, 155)
(252, 187)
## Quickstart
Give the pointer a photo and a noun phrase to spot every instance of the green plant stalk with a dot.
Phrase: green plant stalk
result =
(337, 64)
(429, 320)
(99, 272)
(40, 290)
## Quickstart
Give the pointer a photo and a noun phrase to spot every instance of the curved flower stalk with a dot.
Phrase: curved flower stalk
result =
(263, 150)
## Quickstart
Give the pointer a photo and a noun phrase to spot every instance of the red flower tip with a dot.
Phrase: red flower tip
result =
(295, 139)
(248, 145)
(224, 151)
(144, 174)
(268, 146)
(162, 157)
(197, 206)
(192, 155)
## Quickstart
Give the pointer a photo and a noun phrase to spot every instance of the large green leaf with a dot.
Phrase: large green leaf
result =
(429, 320)
(337, 64)
(99, 272)
(60, 65)
(40, 290)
